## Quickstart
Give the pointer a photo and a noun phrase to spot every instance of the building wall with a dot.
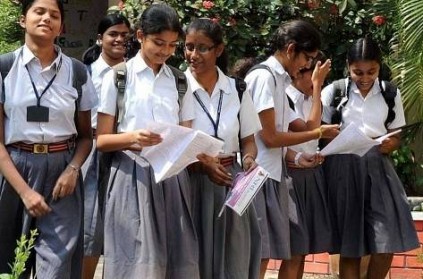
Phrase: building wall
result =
(80, 28)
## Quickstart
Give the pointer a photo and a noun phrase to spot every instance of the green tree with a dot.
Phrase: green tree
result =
(10, 31)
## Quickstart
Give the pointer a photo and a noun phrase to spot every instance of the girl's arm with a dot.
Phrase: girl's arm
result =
(249, 153)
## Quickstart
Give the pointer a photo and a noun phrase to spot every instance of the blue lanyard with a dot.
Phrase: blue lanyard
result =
(219, 109)
(48, 85)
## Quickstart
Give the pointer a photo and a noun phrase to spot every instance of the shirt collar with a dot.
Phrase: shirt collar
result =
(278, 68)
(100, 65)
(222, 84)
(373, 91)
(294, 93)
(28, 57)
(139, 65)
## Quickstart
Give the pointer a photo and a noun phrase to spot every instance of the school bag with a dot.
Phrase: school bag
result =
(79, 75)
(267, 68)
(340, 99)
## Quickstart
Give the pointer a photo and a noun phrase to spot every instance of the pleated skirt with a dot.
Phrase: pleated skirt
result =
(149, 231)
(271, 204)
(368, 206)
(230, 245)
(59, 245)
(310, 224)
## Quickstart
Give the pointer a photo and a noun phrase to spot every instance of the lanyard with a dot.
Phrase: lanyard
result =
(48, 85)
(219, 109)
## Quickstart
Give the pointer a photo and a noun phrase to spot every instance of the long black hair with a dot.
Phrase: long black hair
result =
(158, 18)
(213, 31)
(93, 52)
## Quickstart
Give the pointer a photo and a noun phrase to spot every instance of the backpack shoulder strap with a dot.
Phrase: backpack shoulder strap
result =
(6, 62)
(291, 102)
(262, 66)
(120, 75)
(340, 92)
(180, 81)
(240, 86)
(79, 79)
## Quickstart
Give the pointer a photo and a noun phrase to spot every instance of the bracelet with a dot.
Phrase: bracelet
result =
(297, 158)
(319, 130)
(246, 156)
(73, 167)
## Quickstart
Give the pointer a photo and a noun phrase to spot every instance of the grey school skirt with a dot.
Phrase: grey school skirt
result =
(368, 206)
(149, 232)
(230, 246)
(271, 204)
(309, 223)
(59, 245)
(93, 205)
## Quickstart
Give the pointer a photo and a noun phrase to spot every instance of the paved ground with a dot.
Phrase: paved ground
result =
(269, 274)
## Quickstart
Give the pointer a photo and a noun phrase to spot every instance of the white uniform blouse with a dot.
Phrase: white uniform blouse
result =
(369, 113)
(147, 97)
(261, 85)
(229, 124)
(98, 69)
(303, 106)
(59, 98)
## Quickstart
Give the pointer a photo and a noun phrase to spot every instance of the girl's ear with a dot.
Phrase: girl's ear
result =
(219, 49)
(99, 41)
(290, 51)
(140, 36)
(22, 22)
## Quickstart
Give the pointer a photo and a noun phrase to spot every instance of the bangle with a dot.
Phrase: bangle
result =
(246, 156)
(319, 130)
(74, 168)
(297, 158)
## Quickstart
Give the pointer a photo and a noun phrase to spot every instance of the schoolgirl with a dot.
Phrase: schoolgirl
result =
(44, 141)
(312, 234)
(367, 200)
(109, 50)
(229, 244)
(149, 231)
(295, 45)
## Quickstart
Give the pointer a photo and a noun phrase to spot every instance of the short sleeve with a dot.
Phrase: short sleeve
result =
(326, 97)
(89, 99)
(187, 110)
(108, 95)
(250, 121)
(261, 85)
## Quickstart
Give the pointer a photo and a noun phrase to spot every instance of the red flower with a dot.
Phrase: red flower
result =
(215, 19)
(379, 20)
(313, 4)
(208, 4)
(333, 10)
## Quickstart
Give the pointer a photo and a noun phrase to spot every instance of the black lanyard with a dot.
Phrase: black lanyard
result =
(48, 85)
(219, 109)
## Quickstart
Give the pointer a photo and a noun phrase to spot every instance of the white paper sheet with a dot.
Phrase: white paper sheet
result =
(352, 140)
(179, 148)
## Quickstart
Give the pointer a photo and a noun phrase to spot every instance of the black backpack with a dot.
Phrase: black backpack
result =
(79, 75)
(340, 99)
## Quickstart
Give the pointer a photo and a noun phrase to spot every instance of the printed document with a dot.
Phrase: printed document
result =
(179, 148)
(245, 188)
(352, 140)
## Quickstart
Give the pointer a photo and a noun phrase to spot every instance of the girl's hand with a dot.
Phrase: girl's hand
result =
(215, 171)
(144, 138)
(390, 144)
(248, 163)
(66, 183)
(329, 131)
(35, 203)
(320, 72)
(307, 160)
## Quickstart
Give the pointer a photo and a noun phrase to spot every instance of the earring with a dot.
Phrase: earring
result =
(98, 43)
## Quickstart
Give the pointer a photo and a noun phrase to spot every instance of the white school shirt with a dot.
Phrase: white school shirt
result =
(229, 124)
(261, 85)
(369, 113)
(302, 104)
(59, 98)
(147, 97)
(98, 69)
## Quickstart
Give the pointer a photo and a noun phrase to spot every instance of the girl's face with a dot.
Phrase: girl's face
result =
(201, 52)
(298, 60)
(157, 48)
(42, 20)
(364, 74)
(303, 82)
(113, 41)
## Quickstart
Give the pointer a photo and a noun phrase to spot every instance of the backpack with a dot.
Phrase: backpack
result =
(265, 67)
(79, 75)
(340, 99)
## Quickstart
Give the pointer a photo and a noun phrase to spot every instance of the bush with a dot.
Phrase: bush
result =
(10, 31)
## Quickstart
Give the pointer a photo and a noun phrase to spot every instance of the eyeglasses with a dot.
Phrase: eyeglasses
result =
(200, 48)
(310, 59)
